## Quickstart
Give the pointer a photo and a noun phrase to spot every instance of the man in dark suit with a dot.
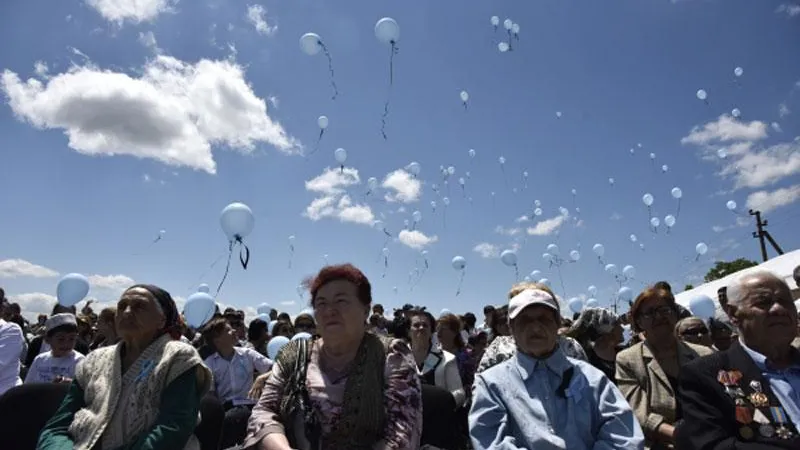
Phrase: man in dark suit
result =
(746, 397)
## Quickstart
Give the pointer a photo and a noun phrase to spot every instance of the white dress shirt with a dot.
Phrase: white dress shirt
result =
(12, 342)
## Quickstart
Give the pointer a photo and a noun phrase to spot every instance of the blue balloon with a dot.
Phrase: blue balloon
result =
(703, 307)
(264, 317)
(264, 308)
(625, 294)
(270, 326)
(199, 309)
(301, 335)
(237, 221)
(203, 288)
(575, 305)
(275, 345)
(71, 289)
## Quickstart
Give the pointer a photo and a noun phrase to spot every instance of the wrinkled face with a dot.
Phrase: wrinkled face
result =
(535, 330)
(62, 342)
(421, 331)
(657, 318)
(138, 315)
(695, 331)
(225, 340)
(766, 315)
(339, 313)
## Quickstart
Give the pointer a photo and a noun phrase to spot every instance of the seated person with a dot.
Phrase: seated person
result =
(57, 365)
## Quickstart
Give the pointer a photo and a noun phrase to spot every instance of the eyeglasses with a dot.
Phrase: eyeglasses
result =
(697, 332)
(662, 311)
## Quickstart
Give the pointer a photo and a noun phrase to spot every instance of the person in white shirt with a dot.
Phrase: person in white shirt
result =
(58, 364)
(233, 369)
(12, 342)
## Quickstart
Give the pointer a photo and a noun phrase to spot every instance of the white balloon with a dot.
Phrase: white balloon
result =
(611, 181)
(547, 257)
(676, 193)
(501, 160)
(536, 274)
(558, 114)
(508, 24)
(495, 20)
(462, 181)
(537, 203)
(310, 44)
(664, 168)
(204, 288)
(414, 168)
(592, 290)
(471, 153)
(545, 282)
(446, 201)
(385, 252)
(433, 204)
(322, 121)
(647, 199)
(387, 30)
(669, 221)
(417, 216)
(655, 222)
(736, 113)
(722, 153)
(591, 303)
(574, 192)
(701, 94)
(341, 155)
(652, 156)
(459, 263)
(599, 250)
(503, 47)
(537, 212)
(464, 96)
(633, 238)
(738, 71)
(629, 271)
(612, 269)
(291, 239)
(515, 28)
(701, 248)
(509, 257)
(575, 255)
(237, 221)
(372, 183)
(731, 205)
(563, 211)
(553, 249)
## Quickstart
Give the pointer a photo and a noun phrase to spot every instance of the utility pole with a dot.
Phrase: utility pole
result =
(761, 234)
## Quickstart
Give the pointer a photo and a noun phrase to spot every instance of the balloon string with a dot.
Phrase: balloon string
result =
(392, 52)
(207, 270)
(291, 255)
(516, 271)
(385, 266)
(227, 268)
(460, 282)
(330, 69)
(384, 117)
(316, 146)
(678, 214)
(561, 281)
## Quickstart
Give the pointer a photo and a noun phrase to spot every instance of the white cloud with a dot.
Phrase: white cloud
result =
(117, 283)
(522, 219)
(274, 101)
(718, 228)
(776, 127)
(288, 303)
(507, 231)
(407, 189)
(783, 110)
(416, 239)
(13, 268)
(40, 69)
(768, 201)
(761, 168)
(547, 227)
(34, 303)
(615, 216)
(487, 250)
(343, 210)
(146, 178)
(726, 129)
(173, 113)
(791, 10)
(148, 40)
(257, 16)
(333, 181)
(135, 11)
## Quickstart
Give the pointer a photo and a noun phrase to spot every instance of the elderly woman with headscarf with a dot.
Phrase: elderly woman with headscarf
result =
(599, 332)
(345, 388)
(143, 392)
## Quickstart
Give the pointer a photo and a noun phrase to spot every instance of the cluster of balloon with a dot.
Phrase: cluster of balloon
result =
(200, 307)
(677, 194)
(311, 44)
(388, 32)
(464, 95)
(71, 289)
(575, 304)
(340, 155)
(702, 306)
(512, 29)
(701, 249)
(237, 223)
(460, 265)
(509, 258)
(291, 250)
(702, 95)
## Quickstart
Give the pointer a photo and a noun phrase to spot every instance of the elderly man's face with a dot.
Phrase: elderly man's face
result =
(766, 312)
(535, 330)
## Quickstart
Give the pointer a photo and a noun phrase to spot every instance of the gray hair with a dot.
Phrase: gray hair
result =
(739, 289)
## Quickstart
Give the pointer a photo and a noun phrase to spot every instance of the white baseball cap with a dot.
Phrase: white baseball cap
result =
(58, 320)
(530, 297)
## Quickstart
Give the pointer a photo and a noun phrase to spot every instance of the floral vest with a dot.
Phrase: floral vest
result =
(118, 407)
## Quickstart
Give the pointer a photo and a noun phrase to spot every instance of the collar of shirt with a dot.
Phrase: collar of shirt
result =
(557, 363)
(761, 360)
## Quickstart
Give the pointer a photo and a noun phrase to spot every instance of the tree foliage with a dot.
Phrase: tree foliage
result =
(724, 268)
(688, 287)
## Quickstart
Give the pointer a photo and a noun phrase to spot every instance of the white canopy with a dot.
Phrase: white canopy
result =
(782, 266)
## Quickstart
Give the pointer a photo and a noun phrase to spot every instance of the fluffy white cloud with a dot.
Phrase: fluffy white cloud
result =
(257, 16)
(789, 9)
(766, 201)
(776, 127)
(407, 189)
(416, 239)
(547, 227)
(758, 168)
(487, 250)
(173, 113)
(116, 283)
(783, 110)
(333, 181)
(40, 69)
(135, 11)
(148, 40)
(288, 303)
(34, 303)
(13, 268)
(508, 231)
(726, 129)
(522, 219)
(343, 210)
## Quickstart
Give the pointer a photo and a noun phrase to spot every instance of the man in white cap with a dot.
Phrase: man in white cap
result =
(58, 364)
(542, 399)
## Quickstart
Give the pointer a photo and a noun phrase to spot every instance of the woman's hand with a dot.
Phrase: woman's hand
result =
(258, 386)
(62, 380)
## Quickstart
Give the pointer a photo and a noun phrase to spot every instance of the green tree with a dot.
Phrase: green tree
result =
(688, 287)
(724, 268)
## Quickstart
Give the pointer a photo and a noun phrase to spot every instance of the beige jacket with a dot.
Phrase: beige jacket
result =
(646, 387)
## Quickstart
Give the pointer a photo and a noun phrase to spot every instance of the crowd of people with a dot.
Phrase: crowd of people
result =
(135, 376)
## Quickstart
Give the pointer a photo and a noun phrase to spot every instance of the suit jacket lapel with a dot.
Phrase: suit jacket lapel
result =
(655, 367)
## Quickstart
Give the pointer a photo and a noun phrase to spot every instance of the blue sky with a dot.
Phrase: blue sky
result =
(157, 116)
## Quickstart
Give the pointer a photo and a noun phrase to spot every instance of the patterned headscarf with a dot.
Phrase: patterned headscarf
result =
(168, 308)
(593, 323)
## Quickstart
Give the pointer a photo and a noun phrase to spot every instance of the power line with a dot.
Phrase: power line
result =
(761, 233)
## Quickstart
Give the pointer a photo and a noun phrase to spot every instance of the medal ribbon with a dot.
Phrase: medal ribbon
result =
(778, 414)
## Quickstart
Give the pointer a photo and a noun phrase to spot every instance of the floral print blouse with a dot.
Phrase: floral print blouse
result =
(503, 348)
(402, 400)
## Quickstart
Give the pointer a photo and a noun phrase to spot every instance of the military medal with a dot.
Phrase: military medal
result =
(779, 417)
(730, 379)
(746, 433)
(758, 398)
(765, 428)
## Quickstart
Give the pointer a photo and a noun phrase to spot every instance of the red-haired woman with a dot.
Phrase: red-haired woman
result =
(346, 388)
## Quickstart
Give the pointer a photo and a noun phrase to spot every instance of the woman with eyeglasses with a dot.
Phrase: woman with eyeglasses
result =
(647, 372)
(694, 331)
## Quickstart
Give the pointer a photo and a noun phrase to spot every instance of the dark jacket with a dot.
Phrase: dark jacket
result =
(709, 413)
